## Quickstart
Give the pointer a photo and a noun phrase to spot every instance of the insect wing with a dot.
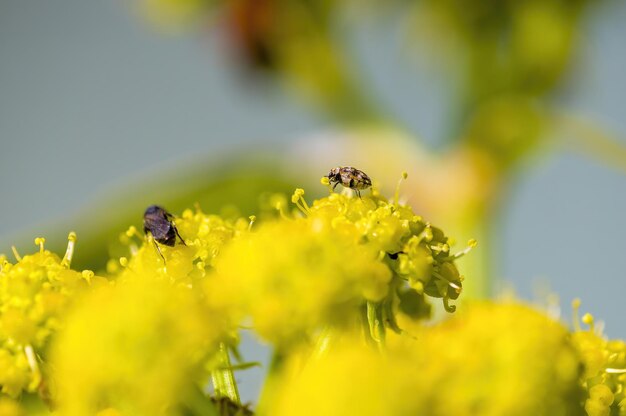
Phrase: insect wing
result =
(361, 180)
(157, 225)
(346, 177)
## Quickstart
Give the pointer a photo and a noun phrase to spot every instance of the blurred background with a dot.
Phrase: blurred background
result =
(508, 116)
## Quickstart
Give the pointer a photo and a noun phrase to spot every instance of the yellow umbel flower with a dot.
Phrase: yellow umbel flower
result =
(158, 325)
(293, 277)
(34, 295)
(340, 259)
(413, 249)
(137, 348)
(604, 377)
(417, 254)
(204, 236)
(491, 359)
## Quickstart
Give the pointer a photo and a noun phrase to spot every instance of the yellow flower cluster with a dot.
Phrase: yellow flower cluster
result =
(140, 347)
(491, 359)
(34, 295)
(204, 236)
(605, 369)
(137, 343)
(339, 260)
(296, 276)
(416, 252)
(137, 348)
(323, 285)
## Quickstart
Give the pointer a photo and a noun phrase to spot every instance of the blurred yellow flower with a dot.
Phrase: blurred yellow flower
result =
(294, 276)
(490, 359)
(9, 407)
(135, 348)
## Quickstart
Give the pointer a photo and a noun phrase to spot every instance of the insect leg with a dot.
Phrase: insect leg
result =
(181, 239)
(358, 192)
(158, 249)
(335, 185)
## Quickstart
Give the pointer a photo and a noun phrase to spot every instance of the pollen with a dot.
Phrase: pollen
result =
(588, 319)
(298, 193)
(69, 252)
(298, 199)
(132, 232)
(188, 214)
(40, 241)
(87, 275)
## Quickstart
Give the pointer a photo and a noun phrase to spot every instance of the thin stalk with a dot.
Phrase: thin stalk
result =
(223, 377)
(376, 323)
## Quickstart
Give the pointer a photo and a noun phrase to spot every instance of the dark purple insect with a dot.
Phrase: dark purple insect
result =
(158, 222)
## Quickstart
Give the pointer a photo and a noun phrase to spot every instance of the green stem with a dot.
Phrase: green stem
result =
(218, 386)
(376, 323)
(223, 377)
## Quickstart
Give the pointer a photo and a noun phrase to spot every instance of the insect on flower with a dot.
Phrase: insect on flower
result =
(158, 222)
(349, 177)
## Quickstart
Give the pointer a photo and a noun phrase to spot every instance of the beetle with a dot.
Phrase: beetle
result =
(349, 177)
(158, 223)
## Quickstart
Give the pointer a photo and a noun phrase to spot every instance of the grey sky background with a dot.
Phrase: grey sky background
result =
(89, 96)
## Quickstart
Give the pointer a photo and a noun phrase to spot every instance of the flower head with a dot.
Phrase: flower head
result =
(140, 346)
(604, 360)
(203, 234)
(293, 277)
(415, 251)
(297, 275)
(491, 359)
(35, 293)
(136, 348)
